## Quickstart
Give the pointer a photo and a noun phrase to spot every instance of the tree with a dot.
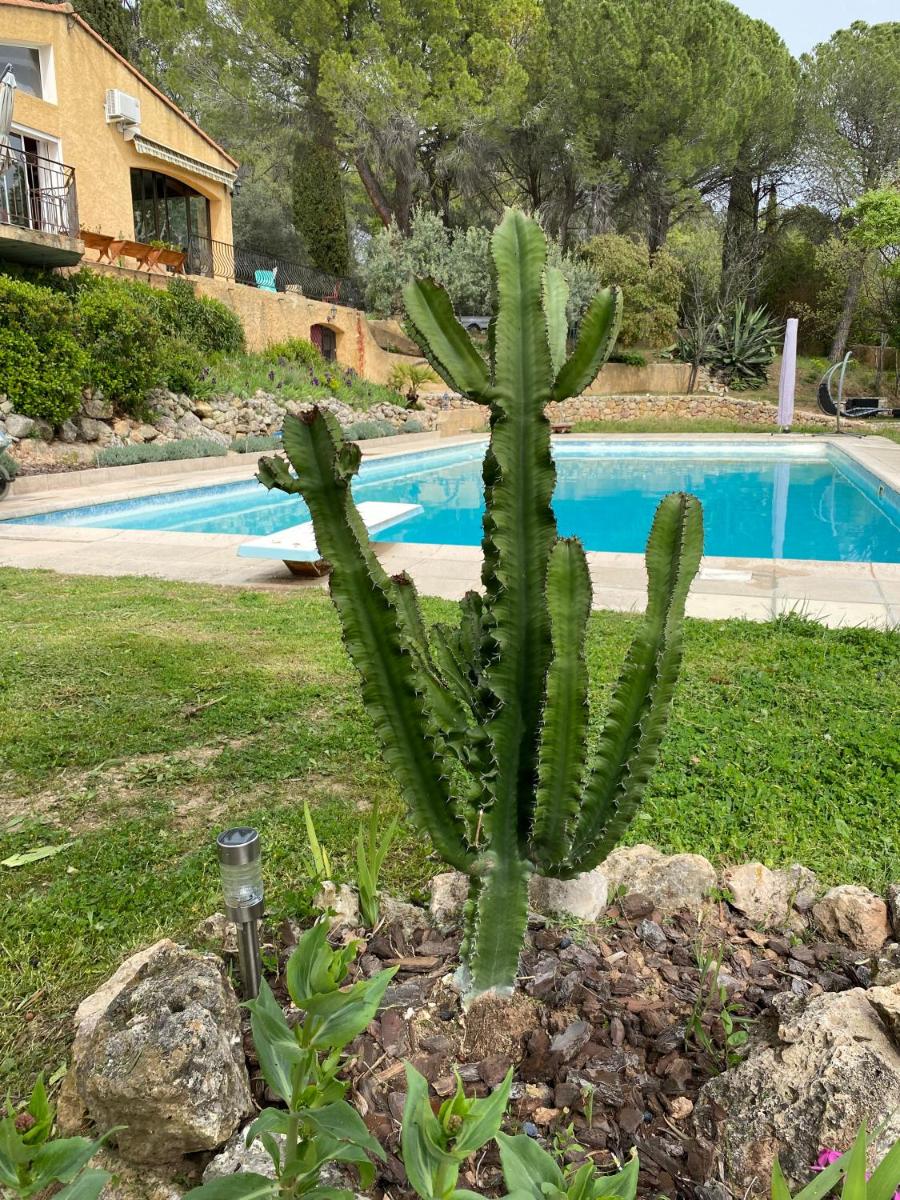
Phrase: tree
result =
(112, 20)
(851, 89)
(651, 287)
(319, 213)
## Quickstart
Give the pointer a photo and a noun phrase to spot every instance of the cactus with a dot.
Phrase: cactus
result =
(484, 724)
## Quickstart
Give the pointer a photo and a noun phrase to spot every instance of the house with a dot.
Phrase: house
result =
(103, 164)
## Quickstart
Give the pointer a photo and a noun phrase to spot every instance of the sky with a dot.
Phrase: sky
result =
(805, 23)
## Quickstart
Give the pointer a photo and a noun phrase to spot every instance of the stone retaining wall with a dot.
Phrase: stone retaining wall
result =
(696, 406)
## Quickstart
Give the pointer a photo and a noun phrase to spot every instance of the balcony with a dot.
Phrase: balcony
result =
(255, 268)
(38, 211)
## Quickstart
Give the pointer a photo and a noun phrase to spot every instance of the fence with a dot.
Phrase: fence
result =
(38, 193)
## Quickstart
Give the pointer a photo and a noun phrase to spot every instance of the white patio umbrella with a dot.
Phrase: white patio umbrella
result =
(7, 95)
(788, 380)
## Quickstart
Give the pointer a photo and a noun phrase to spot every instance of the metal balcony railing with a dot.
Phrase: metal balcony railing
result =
(38, 193)
(256, 268)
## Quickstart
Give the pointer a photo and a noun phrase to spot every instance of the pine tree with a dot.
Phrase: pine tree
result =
(111, 19)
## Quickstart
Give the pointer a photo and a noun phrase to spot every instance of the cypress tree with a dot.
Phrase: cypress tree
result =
(110, 19)
(319, 207)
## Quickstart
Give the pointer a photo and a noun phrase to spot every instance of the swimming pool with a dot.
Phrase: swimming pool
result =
(761, 499)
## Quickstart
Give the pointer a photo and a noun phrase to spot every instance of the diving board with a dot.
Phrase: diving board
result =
(296, 546)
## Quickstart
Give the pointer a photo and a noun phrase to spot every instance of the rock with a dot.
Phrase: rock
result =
(886, 1002)
(43, 430)
(397, 914)
(341, 901)
(449, 892)
(854, 915)
(143, 1183)
(583, 897)
(216, 933)
(651, 934)
(92, 430)
(96, 406)
(673, 882)
(893, 903)
(829, 1068)
(569, 1042)
(146, 433)
(766, 896)
(236, 1157)
(18, 426)
(68, 432)
(159, 1050)
(190, 425)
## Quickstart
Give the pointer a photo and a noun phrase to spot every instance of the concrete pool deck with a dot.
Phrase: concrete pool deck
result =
(834, 593)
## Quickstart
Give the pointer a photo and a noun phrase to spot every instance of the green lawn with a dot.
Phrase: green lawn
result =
(139, 717)
(888, 429)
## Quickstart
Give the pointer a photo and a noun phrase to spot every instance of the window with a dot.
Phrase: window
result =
(167, 210)
(26, 65)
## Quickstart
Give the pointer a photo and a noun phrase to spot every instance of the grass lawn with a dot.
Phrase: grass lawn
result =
(138, 717)
(888, 429)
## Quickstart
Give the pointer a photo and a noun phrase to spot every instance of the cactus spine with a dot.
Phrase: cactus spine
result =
(504, 693)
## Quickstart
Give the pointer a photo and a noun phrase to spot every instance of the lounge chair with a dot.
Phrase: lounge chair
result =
(855, 406)
(265, 280)
(296, 546)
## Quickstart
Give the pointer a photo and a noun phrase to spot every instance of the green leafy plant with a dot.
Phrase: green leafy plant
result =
(300, 1064)
(530, 1173)
(120, 328)
(129, 456)
(316, 855)
(32, 1161)
(371, 851)
(712, 994)
(253, 444)
(208, 324)
(882, 1184)
(42, 365)
(407, 379)
(361, 431)
(434, 1147)
(743, 346)
(505, 692)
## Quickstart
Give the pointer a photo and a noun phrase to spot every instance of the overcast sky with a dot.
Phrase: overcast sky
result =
(804, 23)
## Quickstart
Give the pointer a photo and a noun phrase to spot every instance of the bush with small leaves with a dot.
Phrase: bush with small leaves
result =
(252, 445)
(361, 431)
(129, 456)
(42, 366)
(207, 324)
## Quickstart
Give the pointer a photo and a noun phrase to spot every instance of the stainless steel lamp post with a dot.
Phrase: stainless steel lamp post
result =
(240, 861)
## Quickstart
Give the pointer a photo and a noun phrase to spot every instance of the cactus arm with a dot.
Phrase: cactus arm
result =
(596, 338)
(639, 707)
(497, 927)
(443, 340)
(561, 763)
(372, 625)
(556, 297)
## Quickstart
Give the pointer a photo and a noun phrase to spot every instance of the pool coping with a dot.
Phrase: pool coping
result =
(833, 592)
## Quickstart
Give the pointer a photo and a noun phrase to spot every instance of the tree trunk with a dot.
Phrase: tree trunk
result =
(373, 190)
(851, 295)
(740, 220)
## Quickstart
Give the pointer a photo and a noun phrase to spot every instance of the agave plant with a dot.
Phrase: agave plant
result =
(484, 724)
(743, 346)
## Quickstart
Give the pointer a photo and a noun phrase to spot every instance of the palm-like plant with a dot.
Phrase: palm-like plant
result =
(484, 724)
(743, 346)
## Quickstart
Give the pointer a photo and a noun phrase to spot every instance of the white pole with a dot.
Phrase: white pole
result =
(788, 380)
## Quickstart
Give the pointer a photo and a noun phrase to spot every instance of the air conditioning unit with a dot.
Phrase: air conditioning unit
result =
(122, 107)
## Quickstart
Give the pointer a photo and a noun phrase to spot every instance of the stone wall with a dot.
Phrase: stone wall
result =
(696, 406)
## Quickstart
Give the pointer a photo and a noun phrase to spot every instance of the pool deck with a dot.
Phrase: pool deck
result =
(837, 594)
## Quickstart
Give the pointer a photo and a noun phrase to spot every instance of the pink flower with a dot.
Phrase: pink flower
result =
(826, 1158)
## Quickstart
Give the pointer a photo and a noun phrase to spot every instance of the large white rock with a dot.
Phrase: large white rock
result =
(852, 914)
(18, 426)
(769, 896)
(584, 896)
(673, 882)
(159, 1051)
(829, 1067)
(449, 890)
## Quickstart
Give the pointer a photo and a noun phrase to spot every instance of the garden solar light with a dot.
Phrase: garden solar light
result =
(240, 861)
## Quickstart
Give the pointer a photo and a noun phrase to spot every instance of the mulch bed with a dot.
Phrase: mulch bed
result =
(598, 1032)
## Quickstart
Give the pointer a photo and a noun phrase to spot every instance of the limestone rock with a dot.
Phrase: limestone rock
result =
(893, 903)
(159, 1051)
(449, 891)
(398, 914)
(584, 897)
(886, 1002)
(829, 1067)
(96, 406)
(18, 426)
(92, 430)
(854, 915)
(216, 933)
(769, 896)
(143, 1182)
(68, 432)
(673, 882)
(341, 901)
(236, 1156)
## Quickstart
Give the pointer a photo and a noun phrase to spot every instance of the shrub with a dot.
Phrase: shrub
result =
(42, 366)
(119, 326)
(363, 430)
(9, 465)
(208, 324)
(412, 426)
(743, 346)
(252, 445)
(128, 456)
(631, 358)
(651, 288)
(294, 350)
(182, 365)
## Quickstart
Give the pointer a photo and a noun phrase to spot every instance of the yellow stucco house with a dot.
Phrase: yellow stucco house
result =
(97, 152)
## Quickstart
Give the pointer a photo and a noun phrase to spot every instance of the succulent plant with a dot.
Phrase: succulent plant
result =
(484, 724)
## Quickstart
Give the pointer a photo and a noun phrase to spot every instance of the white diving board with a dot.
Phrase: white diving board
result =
(297, 544)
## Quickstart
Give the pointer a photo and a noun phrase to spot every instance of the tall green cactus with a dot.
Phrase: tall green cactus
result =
(503, 693)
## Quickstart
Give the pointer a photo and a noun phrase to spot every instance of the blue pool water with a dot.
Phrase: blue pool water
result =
(761, 500)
